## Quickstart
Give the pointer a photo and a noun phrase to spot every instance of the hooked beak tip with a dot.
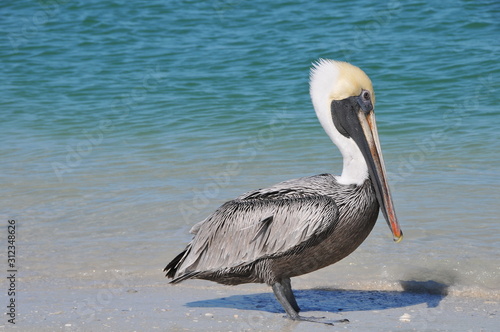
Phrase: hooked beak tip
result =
(398, 238)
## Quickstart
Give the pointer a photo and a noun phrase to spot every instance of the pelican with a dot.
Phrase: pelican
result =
(298, 226)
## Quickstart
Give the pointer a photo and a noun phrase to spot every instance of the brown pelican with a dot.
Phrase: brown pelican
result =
(298, 226)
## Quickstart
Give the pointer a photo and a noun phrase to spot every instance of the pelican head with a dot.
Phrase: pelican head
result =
(343, 98)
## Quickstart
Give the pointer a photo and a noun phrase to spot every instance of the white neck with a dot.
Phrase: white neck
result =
(355, 170)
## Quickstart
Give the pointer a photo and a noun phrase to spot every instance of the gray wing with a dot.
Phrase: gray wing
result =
(242, 231)
(316, 185)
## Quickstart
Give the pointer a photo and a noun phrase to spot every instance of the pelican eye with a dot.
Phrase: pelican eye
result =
(364, 101)
(365, 95)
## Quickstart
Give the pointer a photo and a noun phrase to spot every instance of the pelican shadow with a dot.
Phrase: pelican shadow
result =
(334, 300)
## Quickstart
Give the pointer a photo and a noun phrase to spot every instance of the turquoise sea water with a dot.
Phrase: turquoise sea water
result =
(123, 124)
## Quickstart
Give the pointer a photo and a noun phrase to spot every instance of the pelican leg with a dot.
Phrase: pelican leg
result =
(282, 291)
(287, 288)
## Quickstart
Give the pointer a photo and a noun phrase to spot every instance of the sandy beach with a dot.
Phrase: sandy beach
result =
(125, 303)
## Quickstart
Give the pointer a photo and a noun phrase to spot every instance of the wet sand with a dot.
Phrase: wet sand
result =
(120, 302)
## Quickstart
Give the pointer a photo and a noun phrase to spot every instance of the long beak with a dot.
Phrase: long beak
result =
(370, 147)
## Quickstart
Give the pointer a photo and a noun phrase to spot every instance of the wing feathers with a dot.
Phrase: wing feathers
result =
(242, 231)
(264, 225)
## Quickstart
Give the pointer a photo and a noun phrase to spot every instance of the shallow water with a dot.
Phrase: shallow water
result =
(124, 124)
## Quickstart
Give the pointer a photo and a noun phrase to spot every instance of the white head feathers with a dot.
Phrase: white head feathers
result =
(336, 80)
